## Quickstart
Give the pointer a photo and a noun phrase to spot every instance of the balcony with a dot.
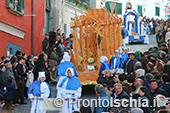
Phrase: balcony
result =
(83, 4)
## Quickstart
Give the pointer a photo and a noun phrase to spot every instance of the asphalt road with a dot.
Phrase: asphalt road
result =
(88, 91)
(143, 47)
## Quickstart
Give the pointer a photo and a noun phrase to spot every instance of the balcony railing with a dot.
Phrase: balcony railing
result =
(78, 3)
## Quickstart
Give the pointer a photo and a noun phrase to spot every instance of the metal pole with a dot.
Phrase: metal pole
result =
(32, 27)
(63, 4)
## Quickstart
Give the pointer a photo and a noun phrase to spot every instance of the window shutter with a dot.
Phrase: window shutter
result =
(119, 8)
(157, 11)
(23, 7)
(65, 28)
(107, 7)
(93, 3)
(19, 5)
(140, 9)
(10, 4)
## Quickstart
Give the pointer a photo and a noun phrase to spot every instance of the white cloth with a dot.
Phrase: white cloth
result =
(130, 29)
(146, 39)
(30, 79)
(66, 57)
(58, 88)
(103, 58)
(60, 80)
(126, 40)
(90, 67)
(41, 74)
(38, 105)
(120, 70)
(68, 94)
(114, 63)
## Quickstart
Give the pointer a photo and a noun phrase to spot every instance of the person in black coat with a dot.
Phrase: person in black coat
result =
(39, 66)
(119, 93)
(17, 79)
(45, 44)
(2, 70)
(29, 61)
(129, 63)
(52, 37)
(22, 76)
(155, 90)
(59, 32)
(166, 84)
(167, 68)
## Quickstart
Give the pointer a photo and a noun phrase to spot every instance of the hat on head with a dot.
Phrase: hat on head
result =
(6, 61)
(30, 56)
(116, 51)
(41, 74)
(125, 48)
(131, 53)
(35, 57)
(137, 53)
(13, 61)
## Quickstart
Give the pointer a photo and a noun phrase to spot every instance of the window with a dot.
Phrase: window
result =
(16, 5)
(65, 28)
(80, 4)
(140, 9)
(12, 48)
(48, 5)
(157, 11)
(119, 8)
(111, 6)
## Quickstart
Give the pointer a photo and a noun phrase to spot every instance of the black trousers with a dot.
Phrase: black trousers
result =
(21, 91)
(15, 100)
(157, 38)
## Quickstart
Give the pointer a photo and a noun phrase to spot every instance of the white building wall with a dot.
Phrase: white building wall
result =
(148, 7)
(69, 14)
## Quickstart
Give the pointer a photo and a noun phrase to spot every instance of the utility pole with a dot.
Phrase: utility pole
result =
(63, 4)
(32, 27)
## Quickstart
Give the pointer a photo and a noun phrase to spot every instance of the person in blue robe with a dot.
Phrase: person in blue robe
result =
(125, 55)
(37, 92)
(64, 65)
(62, 68)
(105, 65)
(116, 61)
(70, 87)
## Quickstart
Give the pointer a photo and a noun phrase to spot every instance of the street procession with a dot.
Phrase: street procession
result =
(85, 56)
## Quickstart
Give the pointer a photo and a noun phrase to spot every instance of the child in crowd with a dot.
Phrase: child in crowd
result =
(30, 77)
(10, 94)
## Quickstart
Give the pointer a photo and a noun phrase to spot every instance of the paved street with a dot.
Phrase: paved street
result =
(88, 91)
(144, 47)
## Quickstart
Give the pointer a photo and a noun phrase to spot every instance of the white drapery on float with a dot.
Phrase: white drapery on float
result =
(132, 16)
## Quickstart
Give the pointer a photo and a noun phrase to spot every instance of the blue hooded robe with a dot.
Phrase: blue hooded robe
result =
(62, 68)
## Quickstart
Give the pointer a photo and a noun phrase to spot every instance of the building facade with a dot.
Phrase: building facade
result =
(149, 8)
(16, 26)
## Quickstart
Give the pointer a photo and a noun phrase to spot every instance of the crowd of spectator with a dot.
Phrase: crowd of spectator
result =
(158, 27)
(17, 72)
(146, 75)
